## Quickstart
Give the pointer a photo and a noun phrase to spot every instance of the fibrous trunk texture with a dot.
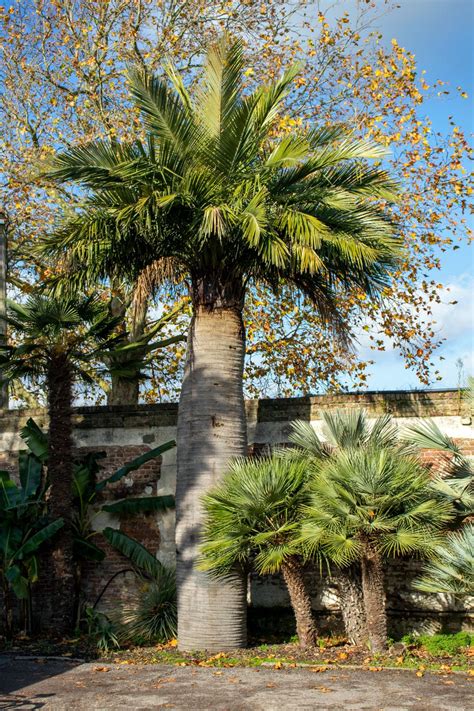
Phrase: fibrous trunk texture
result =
(351, 600)
(211, 432)
(123, 392)
(374, 597)
(300, 601)
(58, 616)
(126, 391)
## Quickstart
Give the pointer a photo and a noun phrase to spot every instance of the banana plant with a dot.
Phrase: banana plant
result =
(24, 528)
(87, 489)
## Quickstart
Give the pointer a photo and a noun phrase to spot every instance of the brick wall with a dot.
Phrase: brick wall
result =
(125, 432)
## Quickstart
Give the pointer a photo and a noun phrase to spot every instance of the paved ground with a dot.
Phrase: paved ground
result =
(60, 685)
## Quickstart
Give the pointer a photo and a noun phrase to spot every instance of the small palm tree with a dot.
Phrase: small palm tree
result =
(57, 338)
(455, 479)
(215, 197)
(369, 504)
(343, 430)
(452, 569)
(251, 520)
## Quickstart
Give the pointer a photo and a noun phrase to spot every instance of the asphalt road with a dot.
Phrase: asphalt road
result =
(63, 685)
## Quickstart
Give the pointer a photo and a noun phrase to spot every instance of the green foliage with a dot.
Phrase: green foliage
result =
(152, 615)
(342, 429)
(100, 629)
(213, 193)
(377, 495)
(452, 568)
(141, 504)
(24, 528)
(136, 464)
(78, 328)
(457, 486)
(252, 517)
(441, 644)
(134, 551)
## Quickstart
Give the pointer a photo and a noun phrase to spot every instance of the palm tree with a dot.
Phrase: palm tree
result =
(452, 569)
(368, 504)
(455, 479)
(58, 337)
(343, 430)
(213, 196)
(252, 518)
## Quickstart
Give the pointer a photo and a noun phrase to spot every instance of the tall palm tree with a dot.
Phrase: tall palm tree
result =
(252, 521)
(343, 430)
(215, 197)
(57, 337)
(369, 504)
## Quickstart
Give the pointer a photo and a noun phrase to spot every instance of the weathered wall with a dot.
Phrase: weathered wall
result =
(124, 432)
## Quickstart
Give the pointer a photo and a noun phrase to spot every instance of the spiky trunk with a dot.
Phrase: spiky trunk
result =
(211, 432)
(292, 571)
(60, 617)
(351, 600)
(373, 585)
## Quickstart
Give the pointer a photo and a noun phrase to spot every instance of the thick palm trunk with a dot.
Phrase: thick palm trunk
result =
(300, 601)
(211, 432)
(123, 392)
(351, 600)
(126, 391)
(60, 616)
(374, 598)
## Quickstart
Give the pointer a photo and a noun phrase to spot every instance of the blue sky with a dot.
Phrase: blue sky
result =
(440, 33)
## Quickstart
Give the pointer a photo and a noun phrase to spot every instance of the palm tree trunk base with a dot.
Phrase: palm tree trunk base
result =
(217, 624)
(301, 602)
(351, 600)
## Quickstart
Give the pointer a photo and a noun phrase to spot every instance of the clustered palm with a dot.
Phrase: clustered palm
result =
(351, 501)
(369, 504)
(343, 430)
(57, 339)
(215, 196)
(252, 520)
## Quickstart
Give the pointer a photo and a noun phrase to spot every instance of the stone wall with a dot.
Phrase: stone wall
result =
(125, 432)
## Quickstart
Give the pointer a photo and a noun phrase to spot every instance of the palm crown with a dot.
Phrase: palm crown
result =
(372, 497)
(252, 517)
(215, 194)
(76, 328)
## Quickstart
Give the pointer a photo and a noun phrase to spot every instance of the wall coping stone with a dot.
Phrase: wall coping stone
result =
(401, 403)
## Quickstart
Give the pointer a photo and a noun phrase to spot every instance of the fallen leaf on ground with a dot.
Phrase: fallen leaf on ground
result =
(277, 665)
(101, 669)
(419, 673)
